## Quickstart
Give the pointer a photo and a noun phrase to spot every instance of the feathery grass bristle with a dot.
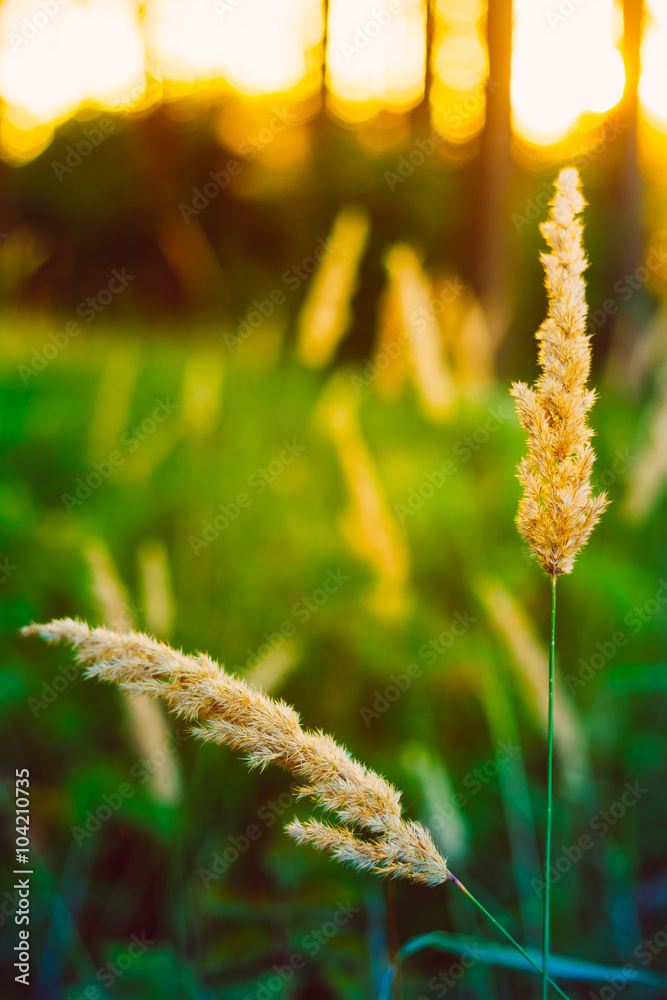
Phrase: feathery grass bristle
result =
(371, 832)
(558, 512)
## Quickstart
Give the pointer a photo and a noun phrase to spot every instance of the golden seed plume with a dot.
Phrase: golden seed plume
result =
(557, 512)
(414, 298)
(368, 524)
(325, 317)
(372, 833)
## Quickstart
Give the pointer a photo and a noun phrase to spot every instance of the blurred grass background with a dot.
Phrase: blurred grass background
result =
(130, 542)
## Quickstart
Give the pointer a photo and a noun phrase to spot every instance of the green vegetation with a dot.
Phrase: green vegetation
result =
(212, 882)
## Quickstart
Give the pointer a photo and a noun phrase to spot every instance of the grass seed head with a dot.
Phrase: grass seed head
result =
(558, 512)
(370, 832)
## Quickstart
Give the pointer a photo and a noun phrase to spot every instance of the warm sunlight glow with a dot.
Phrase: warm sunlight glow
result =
(565, 62)
(653, 83)
(54, 57)
(375, 56)
(59, 56)
(256, 46)
(460, 66)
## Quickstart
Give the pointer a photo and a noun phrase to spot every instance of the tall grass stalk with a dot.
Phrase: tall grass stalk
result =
(558, 511)
(550, 795)
(528, 657)
(499, 926)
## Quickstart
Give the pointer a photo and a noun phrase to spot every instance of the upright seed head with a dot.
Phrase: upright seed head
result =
(558, 512)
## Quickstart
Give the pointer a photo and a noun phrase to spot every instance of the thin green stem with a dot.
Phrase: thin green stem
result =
(507, 935)
(546, 924)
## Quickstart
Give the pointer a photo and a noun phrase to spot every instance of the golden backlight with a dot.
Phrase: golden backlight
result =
(565, 62)
(460, 68)
(376, 56)
(57, 58)
(255, 46)
(653, 82)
